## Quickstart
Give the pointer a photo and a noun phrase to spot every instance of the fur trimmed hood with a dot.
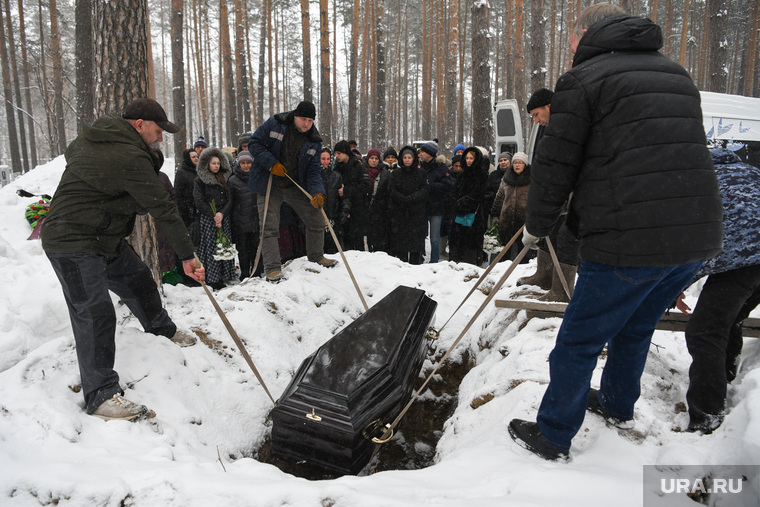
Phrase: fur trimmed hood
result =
(202, 169)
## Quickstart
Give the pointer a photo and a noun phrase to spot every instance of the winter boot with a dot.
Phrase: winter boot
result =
(326, 263)
(183, 339)
(274, 276)
(543, 275)
(118, 408)
(557, 292)
(597, 408)
(528, 436)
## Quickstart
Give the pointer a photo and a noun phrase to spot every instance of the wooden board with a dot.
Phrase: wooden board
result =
(675, 321)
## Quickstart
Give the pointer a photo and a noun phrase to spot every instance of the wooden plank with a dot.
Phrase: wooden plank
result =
(675, 321)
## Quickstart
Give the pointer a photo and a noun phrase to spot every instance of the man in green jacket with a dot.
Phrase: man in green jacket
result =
(112, 175)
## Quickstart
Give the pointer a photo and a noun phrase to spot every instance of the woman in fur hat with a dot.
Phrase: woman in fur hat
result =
(211, 186)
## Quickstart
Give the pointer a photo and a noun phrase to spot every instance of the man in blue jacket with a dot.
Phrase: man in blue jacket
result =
(287, 149)
(626, 137)
(731, 292)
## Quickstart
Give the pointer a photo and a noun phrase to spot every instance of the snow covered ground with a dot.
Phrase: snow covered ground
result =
(210, 406)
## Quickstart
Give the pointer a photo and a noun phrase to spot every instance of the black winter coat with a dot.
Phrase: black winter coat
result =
(407, 208)
(183, 186)
(626, 136)
(208, 188)
(440, 182)
(467, 197)
(245, 212)
(379, 222)
(336, 208)
(356, 188)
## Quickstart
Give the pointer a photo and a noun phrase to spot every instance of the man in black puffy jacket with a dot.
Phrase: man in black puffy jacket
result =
(626, 137)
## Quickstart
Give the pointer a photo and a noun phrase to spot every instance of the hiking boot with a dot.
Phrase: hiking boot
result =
(183, 339)
(597, 408)
(543, 274)
(274, 276)
(528, 436)
(326, 263)
(118, 408)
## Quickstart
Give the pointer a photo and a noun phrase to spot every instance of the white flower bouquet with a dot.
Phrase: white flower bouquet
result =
(225, 250)
(491, 240)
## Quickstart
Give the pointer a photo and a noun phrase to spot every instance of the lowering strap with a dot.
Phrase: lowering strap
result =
(237, 340)
(263, 223)
(485, 274)
(390, 427)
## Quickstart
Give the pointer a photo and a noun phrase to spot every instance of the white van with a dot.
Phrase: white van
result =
(507, 127)
(734, 119)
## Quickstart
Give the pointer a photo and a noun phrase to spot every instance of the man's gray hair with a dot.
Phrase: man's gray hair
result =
(592, 14)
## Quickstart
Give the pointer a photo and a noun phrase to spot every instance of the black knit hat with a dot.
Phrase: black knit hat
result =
(343, 147)
(430, 148)
(541, 97)
(149, 110)
(305, 109)
(390, 151)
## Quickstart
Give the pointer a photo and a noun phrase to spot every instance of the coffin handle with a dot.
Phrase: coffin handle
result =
(432, 333)
(313, 416)
(376, 427)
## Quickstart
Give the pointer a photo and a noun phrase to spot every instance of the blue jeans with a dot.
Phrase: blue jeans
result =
(435, 237)
(614, 306)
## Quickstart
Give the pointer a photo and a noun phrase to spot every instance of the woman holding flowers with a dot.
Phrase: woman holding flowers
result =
(213, 200)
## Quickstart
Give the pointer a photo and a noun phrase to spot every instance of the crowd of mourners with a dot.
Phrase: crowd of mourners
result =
(391, 201)
(623, 184)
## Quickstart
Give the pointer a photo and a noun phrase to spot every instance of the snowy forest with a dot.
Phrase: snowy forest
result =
(383, 72)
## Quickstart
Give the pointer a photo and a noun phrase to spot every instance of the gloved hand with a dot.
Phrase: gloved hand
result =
(318, 200)
(530, 240)
(278, 170)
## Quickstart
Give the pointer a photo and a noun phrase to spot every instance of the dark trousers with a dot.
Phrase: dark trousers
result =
(247, 242)
(414, 258)
(614, 306)
(86, 279)
(714, 339)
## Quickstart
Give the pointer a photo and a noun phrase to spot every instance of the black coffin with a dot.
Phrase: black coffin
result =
(364, 373)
